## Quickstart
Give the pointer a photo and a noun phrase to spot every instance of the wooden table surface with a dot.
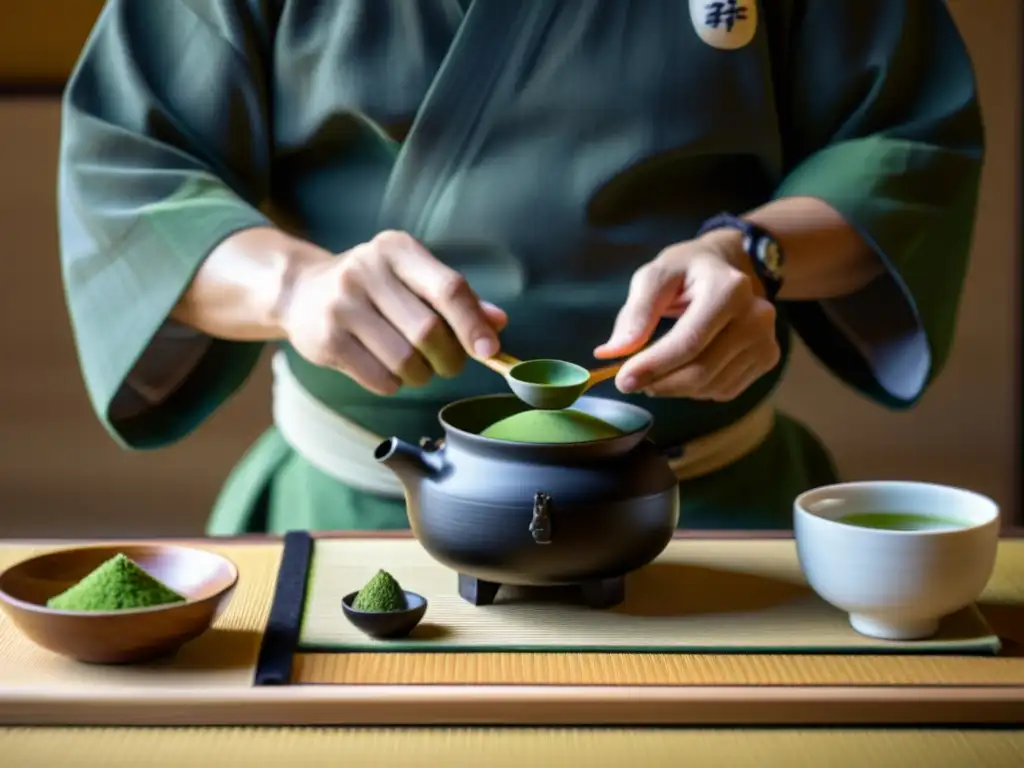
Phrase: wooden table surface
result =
(111, 746)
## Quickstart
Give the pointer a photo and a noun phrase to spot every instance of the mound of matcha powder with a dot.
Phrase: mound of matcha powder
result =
(117, 585)
(566, 426)
(381, 594)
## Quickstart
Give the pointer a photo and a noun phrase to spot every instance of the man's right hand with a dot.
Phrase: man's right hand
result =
(386, 313)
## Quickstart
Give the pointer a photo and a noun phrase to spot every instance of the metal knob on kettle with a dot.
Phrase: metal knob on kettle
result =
(540, 525)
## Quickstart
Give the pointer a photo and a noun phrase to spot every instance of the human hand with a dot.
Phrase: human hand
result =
(387, 313)
(724, 338)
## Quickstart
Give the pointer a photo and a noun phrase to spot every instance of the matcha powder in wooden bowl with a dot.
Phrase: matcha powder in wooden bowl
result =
(119, 584)
(567, 426)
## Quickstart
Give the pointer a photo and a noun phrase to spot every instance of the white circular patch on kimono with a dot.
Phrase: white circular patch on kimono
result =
(724, 24)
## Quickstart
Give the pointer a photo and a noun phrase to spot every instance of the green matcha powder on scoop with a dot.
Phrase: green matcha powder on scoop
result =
(117, 585)
(382, 594)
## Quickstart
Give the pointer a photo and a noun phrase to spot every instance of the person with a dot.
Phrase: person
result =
(388, 193)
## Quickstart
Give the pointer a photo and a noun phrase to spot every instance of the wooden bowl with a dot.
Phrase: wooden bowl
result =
(387, 625)
(205, 579)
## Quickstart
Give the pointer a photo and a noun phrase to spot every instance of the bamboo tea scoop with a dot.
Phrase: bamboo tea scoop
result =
(548, 385)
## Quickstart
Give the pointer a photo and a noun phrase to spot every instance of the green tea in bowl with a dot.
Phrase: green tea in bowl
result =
(898, 557)
(901, 521)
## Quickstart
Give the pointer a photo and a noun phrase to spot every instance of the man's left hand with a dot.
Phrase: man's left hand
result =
(724, 337)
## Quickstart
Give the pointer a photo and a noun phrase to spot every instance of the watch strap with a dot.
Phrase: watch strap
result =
(762, 249)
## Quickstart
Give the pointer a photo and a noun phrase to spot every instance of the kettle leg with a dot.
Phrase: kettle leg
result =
(604, 593)
(477, 591)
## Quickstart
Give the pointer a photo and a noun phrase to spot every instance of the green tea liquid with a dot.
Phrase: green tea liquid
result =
(900, 521)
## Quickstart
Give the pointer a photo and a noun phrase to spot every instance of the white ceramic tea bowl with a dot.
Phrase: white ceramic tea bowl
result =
(896, 584)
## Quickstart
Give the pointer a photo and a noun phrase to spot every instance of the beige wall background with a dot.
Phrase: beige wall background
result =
(61, 475)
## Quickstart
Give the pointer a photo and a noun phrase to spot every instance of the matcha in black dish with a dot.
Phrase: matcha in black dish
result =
(382, 609)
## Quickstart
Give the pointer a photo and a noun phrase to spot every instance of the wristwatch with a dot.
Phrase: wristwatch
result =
(764, 252)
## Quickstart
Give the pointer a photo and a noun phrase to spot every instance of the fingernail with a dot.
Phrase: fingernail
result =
(629, 384)
(485, 347)
(608, 348)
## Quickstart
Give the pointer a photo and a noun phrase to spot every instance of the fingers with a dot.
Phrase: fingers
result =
(655, 287)
(694, 377)
(746, 350)
(383, 306)
(717, 297)
(348, 355)
(387, 344)
(734, 381)
(444, 289)
(497, 317)
(421, 328)
(731, 381)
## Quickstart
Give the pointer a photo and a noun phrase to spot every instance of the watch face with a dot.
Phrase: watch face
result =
(770, 257)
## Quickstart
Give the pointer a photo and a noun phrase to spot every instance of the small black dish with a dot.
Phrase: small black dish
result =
(389, 625)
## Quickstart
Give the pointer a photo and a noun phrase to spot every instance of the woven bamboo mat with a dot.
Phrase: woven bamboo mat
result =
(508, 748)
(210, 680)
(700, 596)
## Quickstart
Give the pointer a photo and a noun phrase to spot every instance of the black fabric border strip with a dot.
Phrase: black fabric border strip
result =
(281, 638)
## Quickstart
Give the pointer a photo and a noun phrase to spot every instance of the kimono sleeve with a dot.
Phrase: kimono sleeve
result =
(880, 119)
(164, 153)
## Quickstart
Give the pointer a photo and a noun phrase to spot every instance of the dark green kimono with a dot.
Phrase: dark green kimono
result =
(546, 149)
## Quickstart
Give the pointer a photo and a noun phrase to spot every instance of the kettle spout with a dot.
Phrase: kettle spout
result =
(410, 463)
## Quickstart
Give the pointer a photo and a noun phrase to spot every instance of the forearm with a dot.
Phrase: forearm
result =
(825, 257)
(241, 289)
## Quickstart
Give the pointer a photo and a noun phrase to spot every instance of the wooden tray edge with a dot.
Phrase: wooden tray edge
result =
(1009, 533)
(523, 706)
